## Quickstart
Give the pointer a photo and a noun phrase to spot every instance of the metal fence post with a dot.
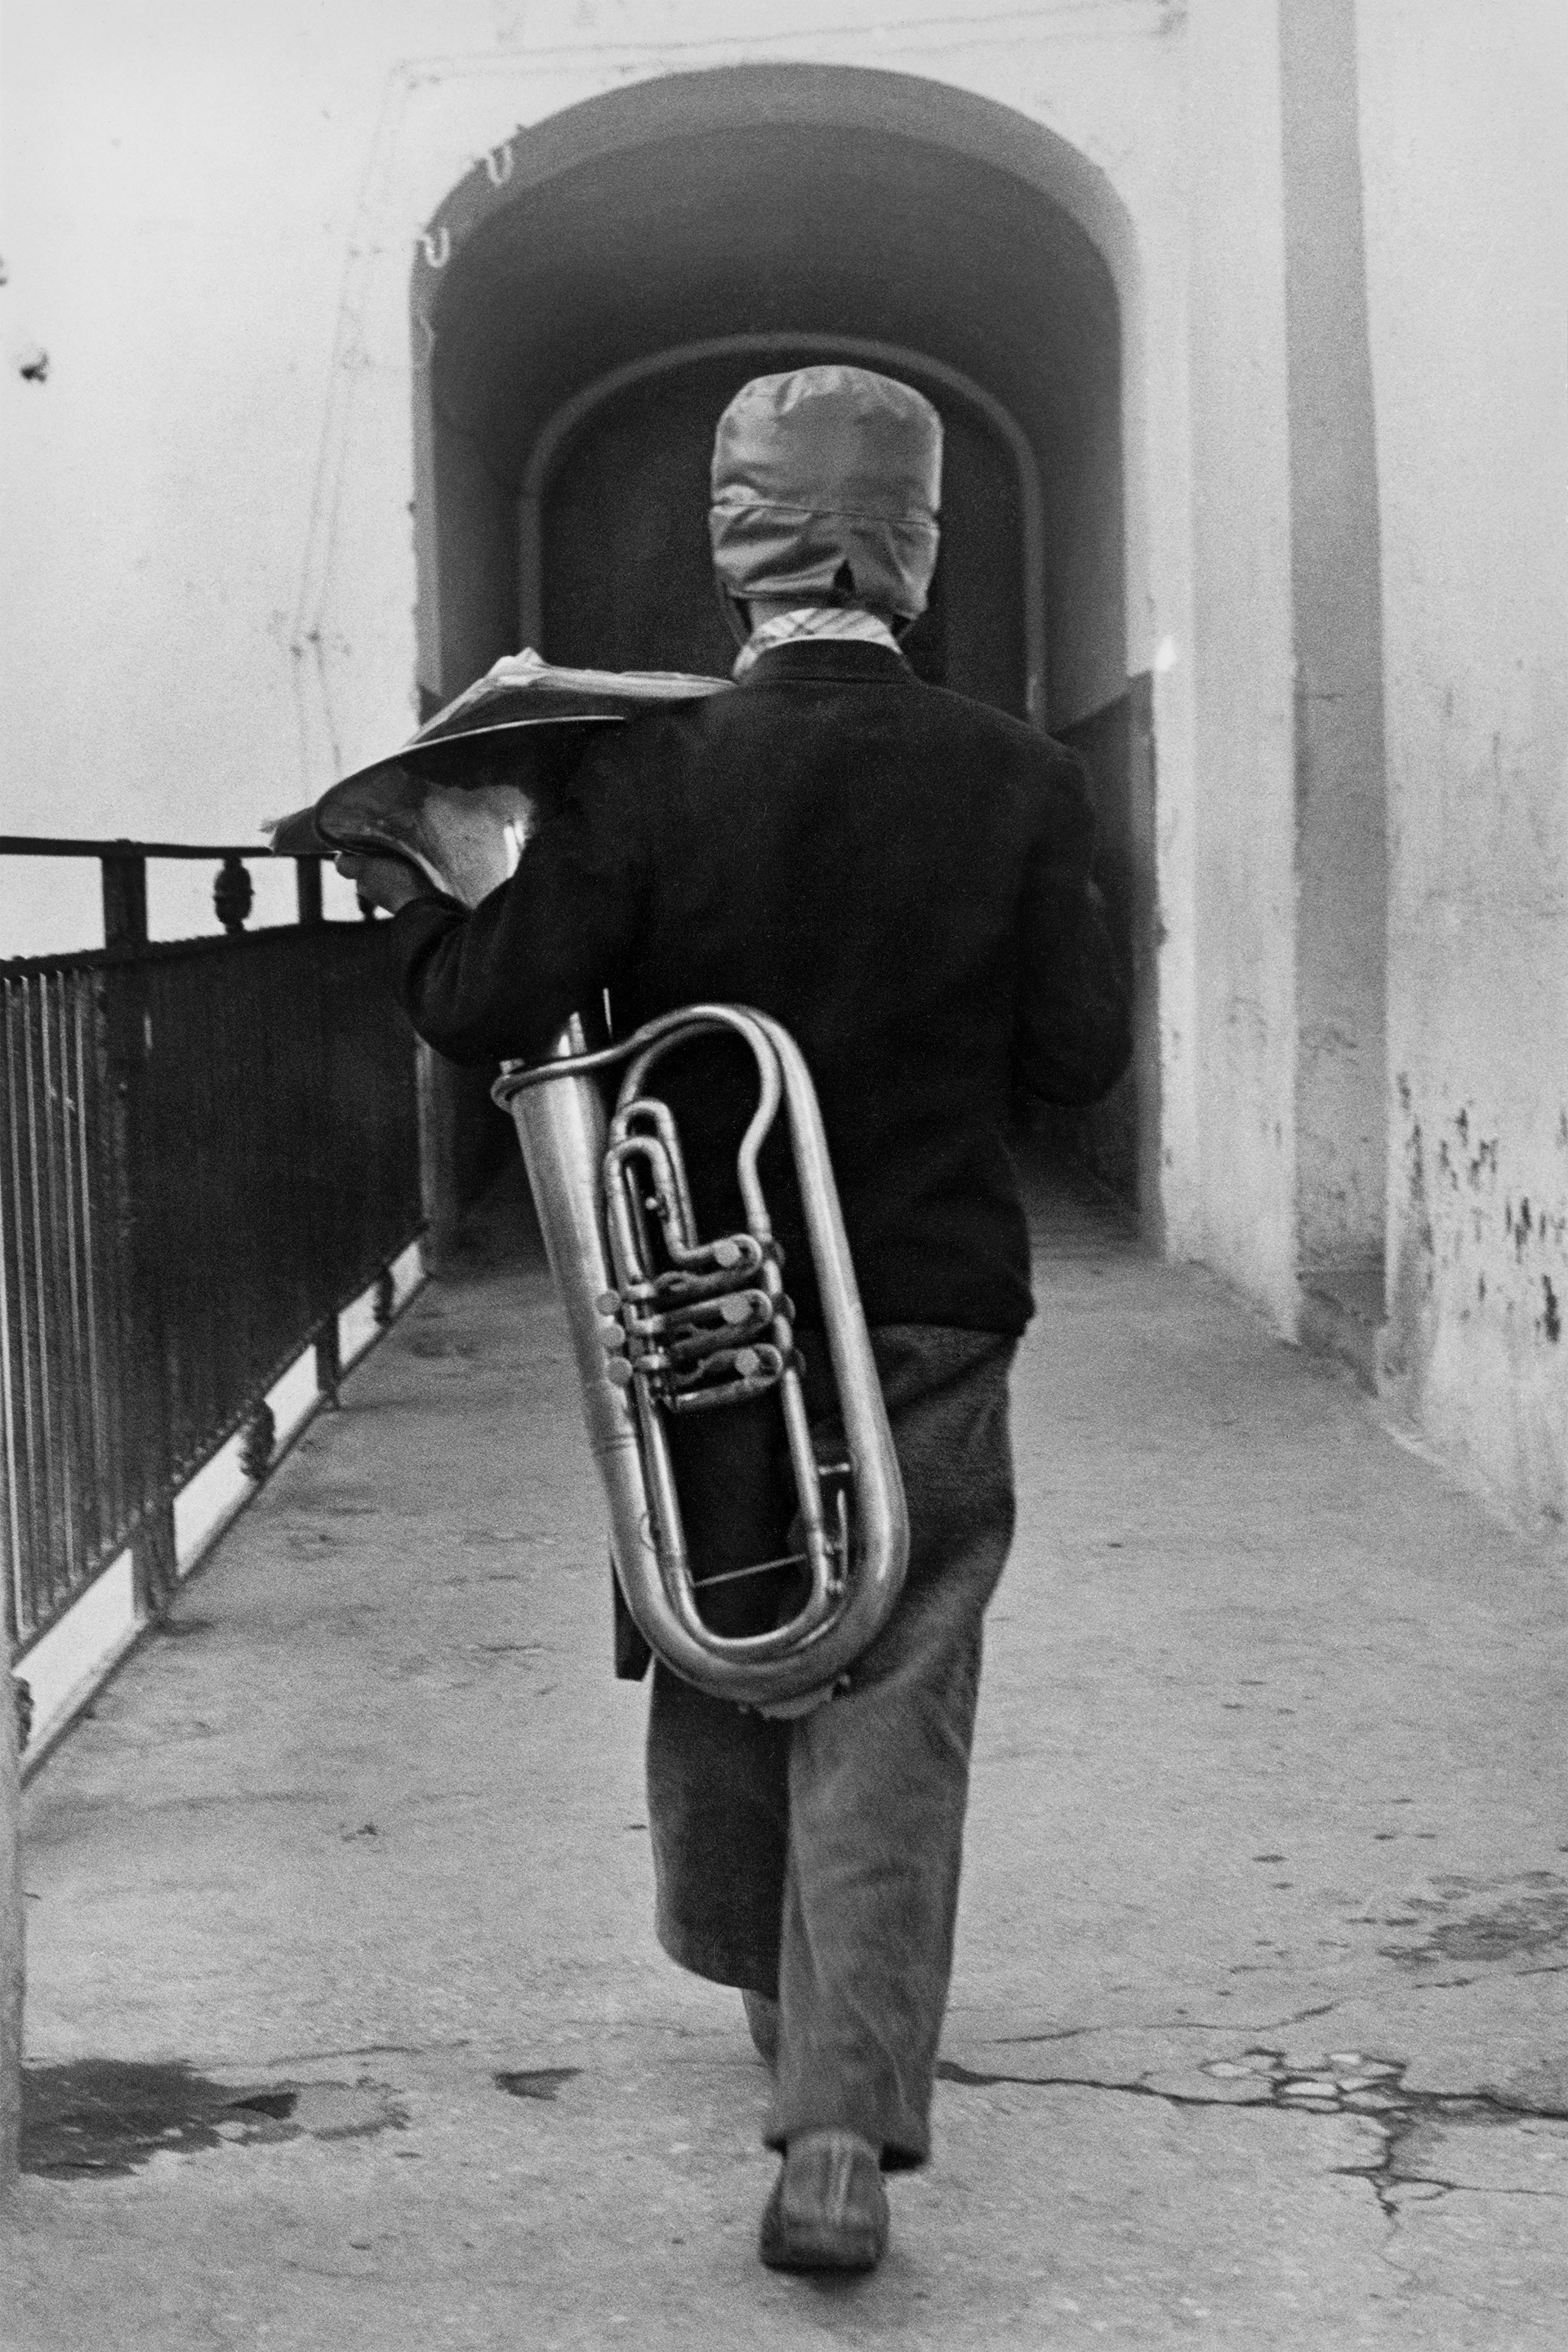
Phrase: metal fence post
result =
(307, 888)
(233, 895)
(126, 1031)
(125, 900)
(154, 1567)
(328, 1361)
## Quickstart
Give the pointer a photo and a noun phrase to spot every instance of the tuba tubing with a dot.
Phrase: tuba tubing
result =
(566, 1141)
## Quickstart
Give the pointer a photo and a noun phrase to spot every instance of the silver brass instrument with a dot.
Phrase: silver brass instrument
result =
(665, 1324)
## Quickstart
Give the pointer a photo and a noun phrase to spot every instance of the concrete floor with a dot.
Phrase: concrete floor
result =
(347, 2024)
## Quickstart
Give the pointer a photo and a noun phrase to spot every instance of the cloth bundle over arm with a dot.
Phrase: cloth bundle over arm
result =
(669, 874)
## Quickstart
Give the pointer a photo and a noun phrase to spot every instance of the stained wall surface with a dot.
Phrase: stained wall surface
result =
(1466, 229)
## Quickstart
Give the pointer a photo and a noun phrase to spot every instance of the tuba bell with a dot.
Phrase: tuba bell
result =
(667, 1324)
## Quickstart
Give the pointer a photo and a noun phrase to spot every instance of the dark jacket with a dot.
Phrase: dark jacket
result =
(898, 874)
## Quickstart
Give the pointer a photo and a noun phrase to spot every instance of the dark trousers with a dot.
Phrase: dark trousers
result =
(819, 1859)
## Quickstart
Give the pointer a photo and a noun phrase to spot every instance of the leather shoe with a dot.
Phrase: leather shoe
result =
(829, 2211)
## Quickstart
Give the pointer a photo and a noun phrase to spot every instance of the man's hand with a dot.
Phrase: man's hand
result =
(387, 882)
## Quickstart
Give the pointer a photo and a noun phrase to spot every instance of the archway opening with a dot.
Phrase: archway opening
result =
(603, 291)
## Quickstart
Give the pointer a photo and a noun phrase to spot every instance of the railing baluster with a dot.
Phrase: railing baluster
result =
(233, 895)
(91, 1370)
(307, 888)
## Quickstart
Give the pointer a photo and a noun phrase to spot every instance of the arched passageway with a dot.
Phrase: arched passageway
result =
(590, 296)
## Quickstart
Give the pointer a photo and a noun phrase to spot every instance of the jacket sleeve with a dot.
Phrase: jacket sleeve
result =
(499, 983)
(1073, 1036)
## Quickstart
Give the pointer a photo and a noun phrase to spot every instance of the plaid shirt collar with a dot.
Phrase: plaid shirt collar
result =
(814, 621)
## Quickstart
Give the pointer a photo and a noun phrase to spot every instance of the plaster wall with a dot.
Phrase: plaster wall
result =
(210, 555)
(1467, 226)
(211, 216)
(1242, 846)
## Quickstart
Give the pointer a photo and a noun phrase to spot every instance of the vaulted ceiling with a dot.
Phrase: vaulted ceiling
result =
(764, 229)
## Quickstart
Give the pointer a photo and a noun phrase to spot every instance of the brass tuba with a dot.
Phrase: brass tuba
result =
(665, 1323)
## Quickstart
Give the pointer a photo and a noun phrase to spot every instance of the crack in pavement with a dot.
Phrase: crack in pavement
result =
(1229, 2026)
(949, 2071)
(1061, 2034)
(1372, 2090)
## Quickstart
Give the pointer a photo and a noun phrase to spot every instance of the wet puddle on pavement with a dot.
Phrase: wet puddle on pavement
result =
(94, 2117)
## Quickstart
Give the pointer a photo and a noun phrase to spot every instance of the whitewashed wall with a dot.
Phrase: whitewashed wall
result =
(1243, 1020)
(1468, 230)
(209, 565)
(213, 218)
(212, 563)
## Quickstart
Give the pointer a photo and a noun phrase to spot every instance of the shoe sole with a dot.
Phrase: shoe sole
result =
(807, 2250)
(803, 2246)
(822, 2227)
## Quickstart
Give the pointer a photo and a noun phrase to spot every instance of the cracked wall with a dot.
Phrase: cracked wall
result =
(1467, 223)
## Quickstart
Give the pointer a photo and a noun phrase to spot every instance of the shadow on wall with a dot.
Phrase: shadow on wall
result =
(1118, 1140)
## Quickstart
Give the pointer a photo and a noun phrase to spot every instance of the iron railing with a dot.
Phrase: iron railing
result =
(207, 1149)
